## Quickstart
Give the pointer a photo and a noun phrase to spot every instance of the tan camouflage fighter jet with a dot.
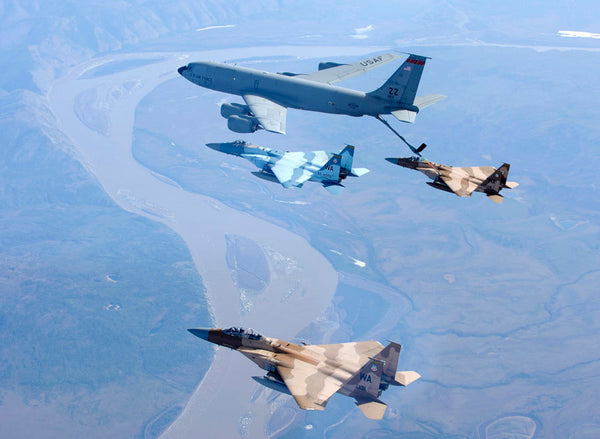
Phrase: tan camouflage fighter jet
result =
(313, 373)
(461, 181)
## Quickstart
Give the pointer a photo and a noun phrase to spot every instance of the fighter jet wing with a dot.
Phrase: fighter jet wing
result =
(353, 353)
(271, 116)
(310, 387)
(464, 180)
(460, 185)
(289, 169)
(341, 72)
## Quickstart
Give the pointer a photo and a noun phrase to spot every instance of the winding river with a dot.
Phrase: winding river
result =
(96, 112)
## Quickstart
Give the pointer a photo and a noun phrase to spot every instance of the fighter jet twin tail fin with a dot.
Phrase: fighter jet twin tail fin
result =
(345, 169)
(366, 389)
(367, 383)
(347, 158)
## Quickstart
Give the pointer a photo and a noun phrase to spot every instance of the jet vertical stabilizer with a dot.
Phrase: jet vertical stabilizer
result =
(347, 157)
(330, 172)
(504, 171)
(365, 383)
(495, 181)
(389, 356)
(401, 87)
(331, 176)
(400, 90)
(366, 389)
(346, 164)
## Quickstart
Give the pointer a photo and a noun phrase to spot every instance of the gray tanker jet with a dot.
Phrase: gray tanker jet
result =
(293, 169)
(462, 181)
(269, 95)
(312, 374)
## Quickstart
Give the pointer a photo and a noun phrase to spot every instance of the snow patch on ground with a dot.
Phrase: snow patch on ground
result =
(577, 34)
(355, 261)
(200, 29)
(359, 263)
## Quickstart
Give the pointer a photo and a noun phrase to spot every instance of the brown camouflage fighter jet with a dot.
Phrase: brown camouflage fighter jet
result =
(461, 181)
(313, 373)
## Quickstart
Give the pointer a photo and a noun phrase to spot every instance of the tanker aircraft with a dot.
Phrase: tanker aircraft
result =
(462, 181)
(267, 96)
(312, 374)
(293, 169)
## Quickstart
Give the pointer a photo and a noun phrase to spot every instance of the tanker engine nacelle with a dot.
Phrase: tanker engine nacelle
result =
(242, 124)
(233, 109)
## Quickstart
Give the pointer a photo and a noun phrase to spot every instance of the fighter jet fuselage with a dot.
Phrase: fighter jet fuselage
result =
(293, 169)
(313, 373)
(461, 181)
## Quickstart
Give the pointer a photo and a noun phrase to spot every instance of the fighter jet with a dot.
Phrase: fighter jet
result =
(313, 373)
(293, 169)
(461, 181)
(268, 95)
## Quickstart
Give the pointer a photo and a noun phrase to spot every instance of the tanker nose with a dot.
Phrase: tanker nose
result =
(200, 333)
(182, 69)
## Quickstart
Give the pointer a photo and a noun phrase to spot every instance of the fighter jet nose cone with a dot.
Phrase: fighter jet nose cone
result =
(215, 146)
(403, 161)
(181, 69)
(200, 332)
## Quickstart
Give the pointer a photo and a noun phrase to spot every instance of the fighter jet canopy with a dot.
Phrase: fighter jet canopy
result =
(243, 333)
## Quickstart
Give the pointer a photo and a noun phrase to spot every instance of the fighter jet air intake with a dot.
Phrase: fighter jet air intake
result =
(313, 373)
(267, 96)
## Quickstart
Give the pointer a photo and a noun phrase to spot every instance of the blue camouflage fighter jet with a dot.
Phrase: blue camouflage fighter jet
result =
(293, 169)
(267, 95)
